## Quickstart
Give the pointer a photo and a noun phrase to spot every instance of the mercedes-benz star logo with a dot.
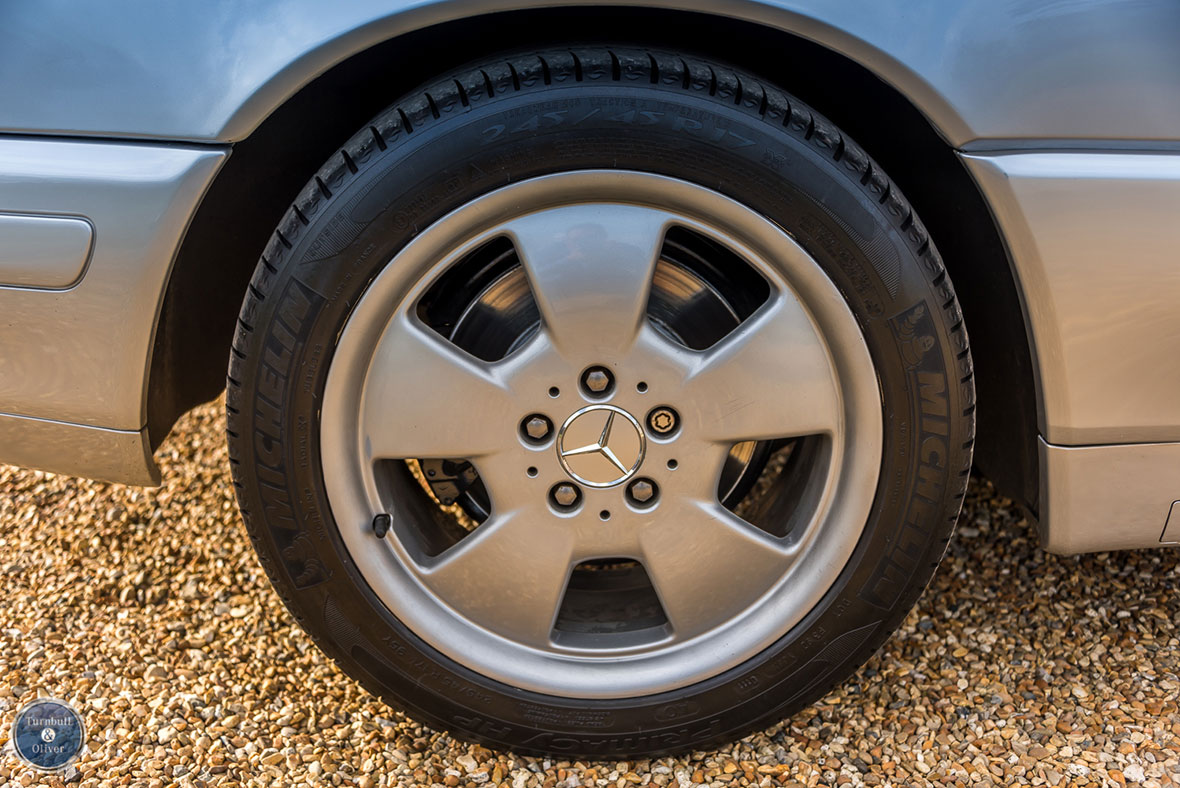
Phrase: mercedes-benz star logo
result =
(601, 446)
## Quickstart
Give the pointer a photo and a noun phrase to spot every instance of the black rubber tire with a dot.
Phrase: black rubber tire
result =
(540, 112)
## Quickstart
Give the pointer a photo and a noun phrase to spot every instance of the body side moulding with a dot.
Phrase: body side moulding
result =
(1108, 497)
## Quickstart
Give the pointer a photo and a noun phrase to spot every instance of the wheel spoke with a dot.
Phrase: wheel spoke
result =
(424, 397)
(590, 267)
(770, 378)
(707, 564)
(509, 575)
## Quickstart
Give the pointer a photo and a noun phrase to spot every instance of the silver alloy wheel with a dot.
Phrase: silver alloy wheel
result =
(589, 242)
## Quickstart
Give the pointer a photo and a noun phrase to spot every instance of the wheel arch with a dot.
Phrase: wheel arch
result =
(268, 166)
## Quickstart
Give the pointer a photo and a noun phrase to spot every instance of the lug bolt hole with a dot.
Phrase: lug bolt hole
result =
(565, 497)
(663, 421)
(641, 387)
(643, 493)
(604, 515)
(597, 382)
(536, 428)
(532, 472)
(554, 392)
(672, 465)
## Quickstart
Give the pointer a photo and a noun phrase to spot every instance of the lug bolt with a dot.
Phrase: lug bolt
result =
(597, 380)
(642, 491)
(662, 421)
(537, 427)
(565, 495)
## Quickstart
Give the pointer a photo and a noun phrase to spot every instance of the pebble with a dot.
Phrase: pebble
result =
(155, 672)
(147, 610)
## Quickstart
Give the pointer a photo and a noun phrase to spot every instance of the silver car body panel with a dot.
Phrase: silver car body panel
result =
(1093, 240)
(80, 355)
(1095, 244)
(1067, 114)
(979, 69)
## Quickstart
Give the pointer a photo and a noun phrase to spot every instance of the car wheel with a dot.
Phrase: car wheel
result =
(602, 402)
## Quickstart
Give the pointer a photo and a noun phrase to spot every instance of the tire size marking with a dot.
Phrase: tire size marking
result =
(426, 673)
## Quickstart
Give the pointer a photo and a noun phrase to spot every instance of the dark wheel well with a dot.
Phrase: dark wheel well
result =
(267, 169)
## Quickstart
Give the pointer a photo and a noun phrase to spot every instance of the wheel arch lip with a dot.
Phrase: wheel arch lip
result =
(816, 21)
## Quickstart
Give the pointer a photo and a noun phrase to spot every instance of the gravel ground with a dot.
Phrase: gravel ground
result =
(148, 611)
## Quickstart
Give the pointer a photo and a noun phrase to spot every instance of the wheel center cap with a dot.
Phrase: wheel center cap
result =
(601, 446)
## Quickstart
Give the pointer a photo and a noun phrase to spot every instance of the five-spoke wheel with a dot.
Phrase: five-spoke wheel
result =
(600, 439)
